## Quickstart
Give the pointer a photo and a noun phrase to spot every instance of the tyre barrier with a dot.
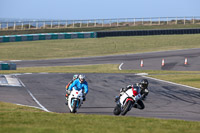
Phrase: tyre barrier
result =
(147, 32)
(46, 36)
(8, 66)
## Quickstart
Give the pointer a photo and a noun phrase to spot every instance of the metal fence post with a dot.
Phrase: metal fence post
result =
(80, 23)
(95, 23)
(150, 21)
(184, 20)
(102, 22)
(117, 22)
(0, 25)
(51, 24)
(167, 21)
(44, 24)
(87, 23)
(110, 22)
(14, 25)
(176, 20)
(22, 26)
(134, 21)
(7, 25)
(37, 25)
(193, 19)
(73, 23)
(29, 26)
(66, 24)
(142, 21)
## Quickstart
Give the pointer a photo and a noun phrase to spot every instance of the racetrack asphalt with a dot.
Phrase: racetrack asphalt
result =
(165, 100)
(174, 60)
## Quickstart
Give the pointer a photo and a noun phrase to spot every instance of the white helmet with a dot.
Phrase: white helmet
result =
(81, 78)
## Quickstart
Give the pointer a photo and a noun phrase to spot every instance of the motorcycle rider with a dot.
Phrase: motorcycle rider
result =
(67, 86)
(143, 85)
(79, 84)
(144, 88)
(74, 78)
(141, 88)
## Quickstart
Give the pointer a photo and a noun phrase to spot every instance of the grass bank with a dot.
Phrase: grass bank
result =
(15, 119)
(52, 49)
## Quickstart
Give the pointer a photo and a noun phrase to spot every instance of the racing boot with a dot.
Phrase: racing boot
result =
(117, 98)
(66, 97)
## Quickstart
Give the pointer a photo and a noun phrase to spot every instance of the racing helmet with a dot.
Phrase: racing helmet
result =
(75, 76)
(81, 78)
(144, 83)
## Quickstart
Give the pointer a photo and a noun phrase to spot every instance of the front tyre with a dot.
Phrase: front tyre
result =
(74, 107)
(126, 108)
(117, 110)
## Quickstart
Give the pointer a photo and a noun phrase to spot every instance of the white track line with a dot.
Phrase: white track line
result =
(42, 107)
(120, 66)
(172, 83)
(28, 106)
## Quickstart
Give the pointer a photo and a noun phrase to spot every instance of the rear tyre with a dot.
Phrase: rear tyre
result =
(117, 110)
(126, 108)
(140, 104)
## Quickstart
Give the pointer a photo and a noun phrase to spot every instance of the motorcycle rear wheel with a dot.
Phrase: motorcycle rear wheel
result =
(126, 108)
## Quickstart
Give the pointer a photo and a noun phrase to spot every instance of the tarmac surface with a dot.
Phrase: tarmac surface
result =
(174, 60)
(165, 100)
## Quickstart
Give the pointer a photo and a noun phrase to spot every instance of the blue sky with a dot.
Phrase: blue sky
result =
(93, 9)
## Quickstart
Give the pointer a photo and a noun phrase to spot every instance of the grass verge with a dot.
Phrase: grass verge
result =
(52, 49)
(15, 119)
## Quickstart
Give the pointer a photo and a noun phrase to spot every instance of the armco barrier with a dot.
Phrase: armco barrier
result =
(47, 36)
(8, 66)
(147, 32)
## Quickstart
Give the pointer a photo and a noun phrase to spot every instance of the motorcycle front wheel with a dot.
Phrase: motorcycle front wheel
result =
(117, 110)
(74, 107)
(126, 108)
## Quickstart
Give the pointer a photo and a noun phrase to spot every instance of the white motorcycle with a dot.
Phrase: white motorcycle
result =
(127, 100)
(75, 100)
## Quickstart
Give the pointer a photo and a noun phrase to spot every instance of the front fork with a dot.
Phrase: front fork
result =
(77, 103)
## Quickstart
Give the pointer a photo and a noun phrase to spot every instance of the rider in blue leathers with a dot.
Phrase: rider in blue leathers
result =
(79, 84)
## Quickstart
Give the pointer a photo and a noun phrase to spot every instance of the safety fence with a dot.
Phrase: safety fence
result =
(56, 24)
(47, 36)
(8, 66)
(147, 32)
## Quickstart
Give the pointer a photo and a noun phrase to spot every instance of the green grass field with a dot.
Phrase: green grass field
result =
(20, 119)
(52, 49)
(14, 119)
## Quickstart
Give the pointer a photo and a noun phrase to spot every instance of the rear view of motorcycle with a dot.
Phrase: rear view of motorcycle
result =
(127, 100)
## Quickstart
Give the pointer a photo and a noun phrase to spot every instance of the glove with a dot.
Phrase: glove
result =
(68, 92)
(129, 86)
(84, 98)
(122, 90)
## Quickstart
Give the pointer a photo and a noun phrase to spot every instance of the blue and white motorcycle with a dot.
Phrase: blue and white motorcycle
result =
(75, 100)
